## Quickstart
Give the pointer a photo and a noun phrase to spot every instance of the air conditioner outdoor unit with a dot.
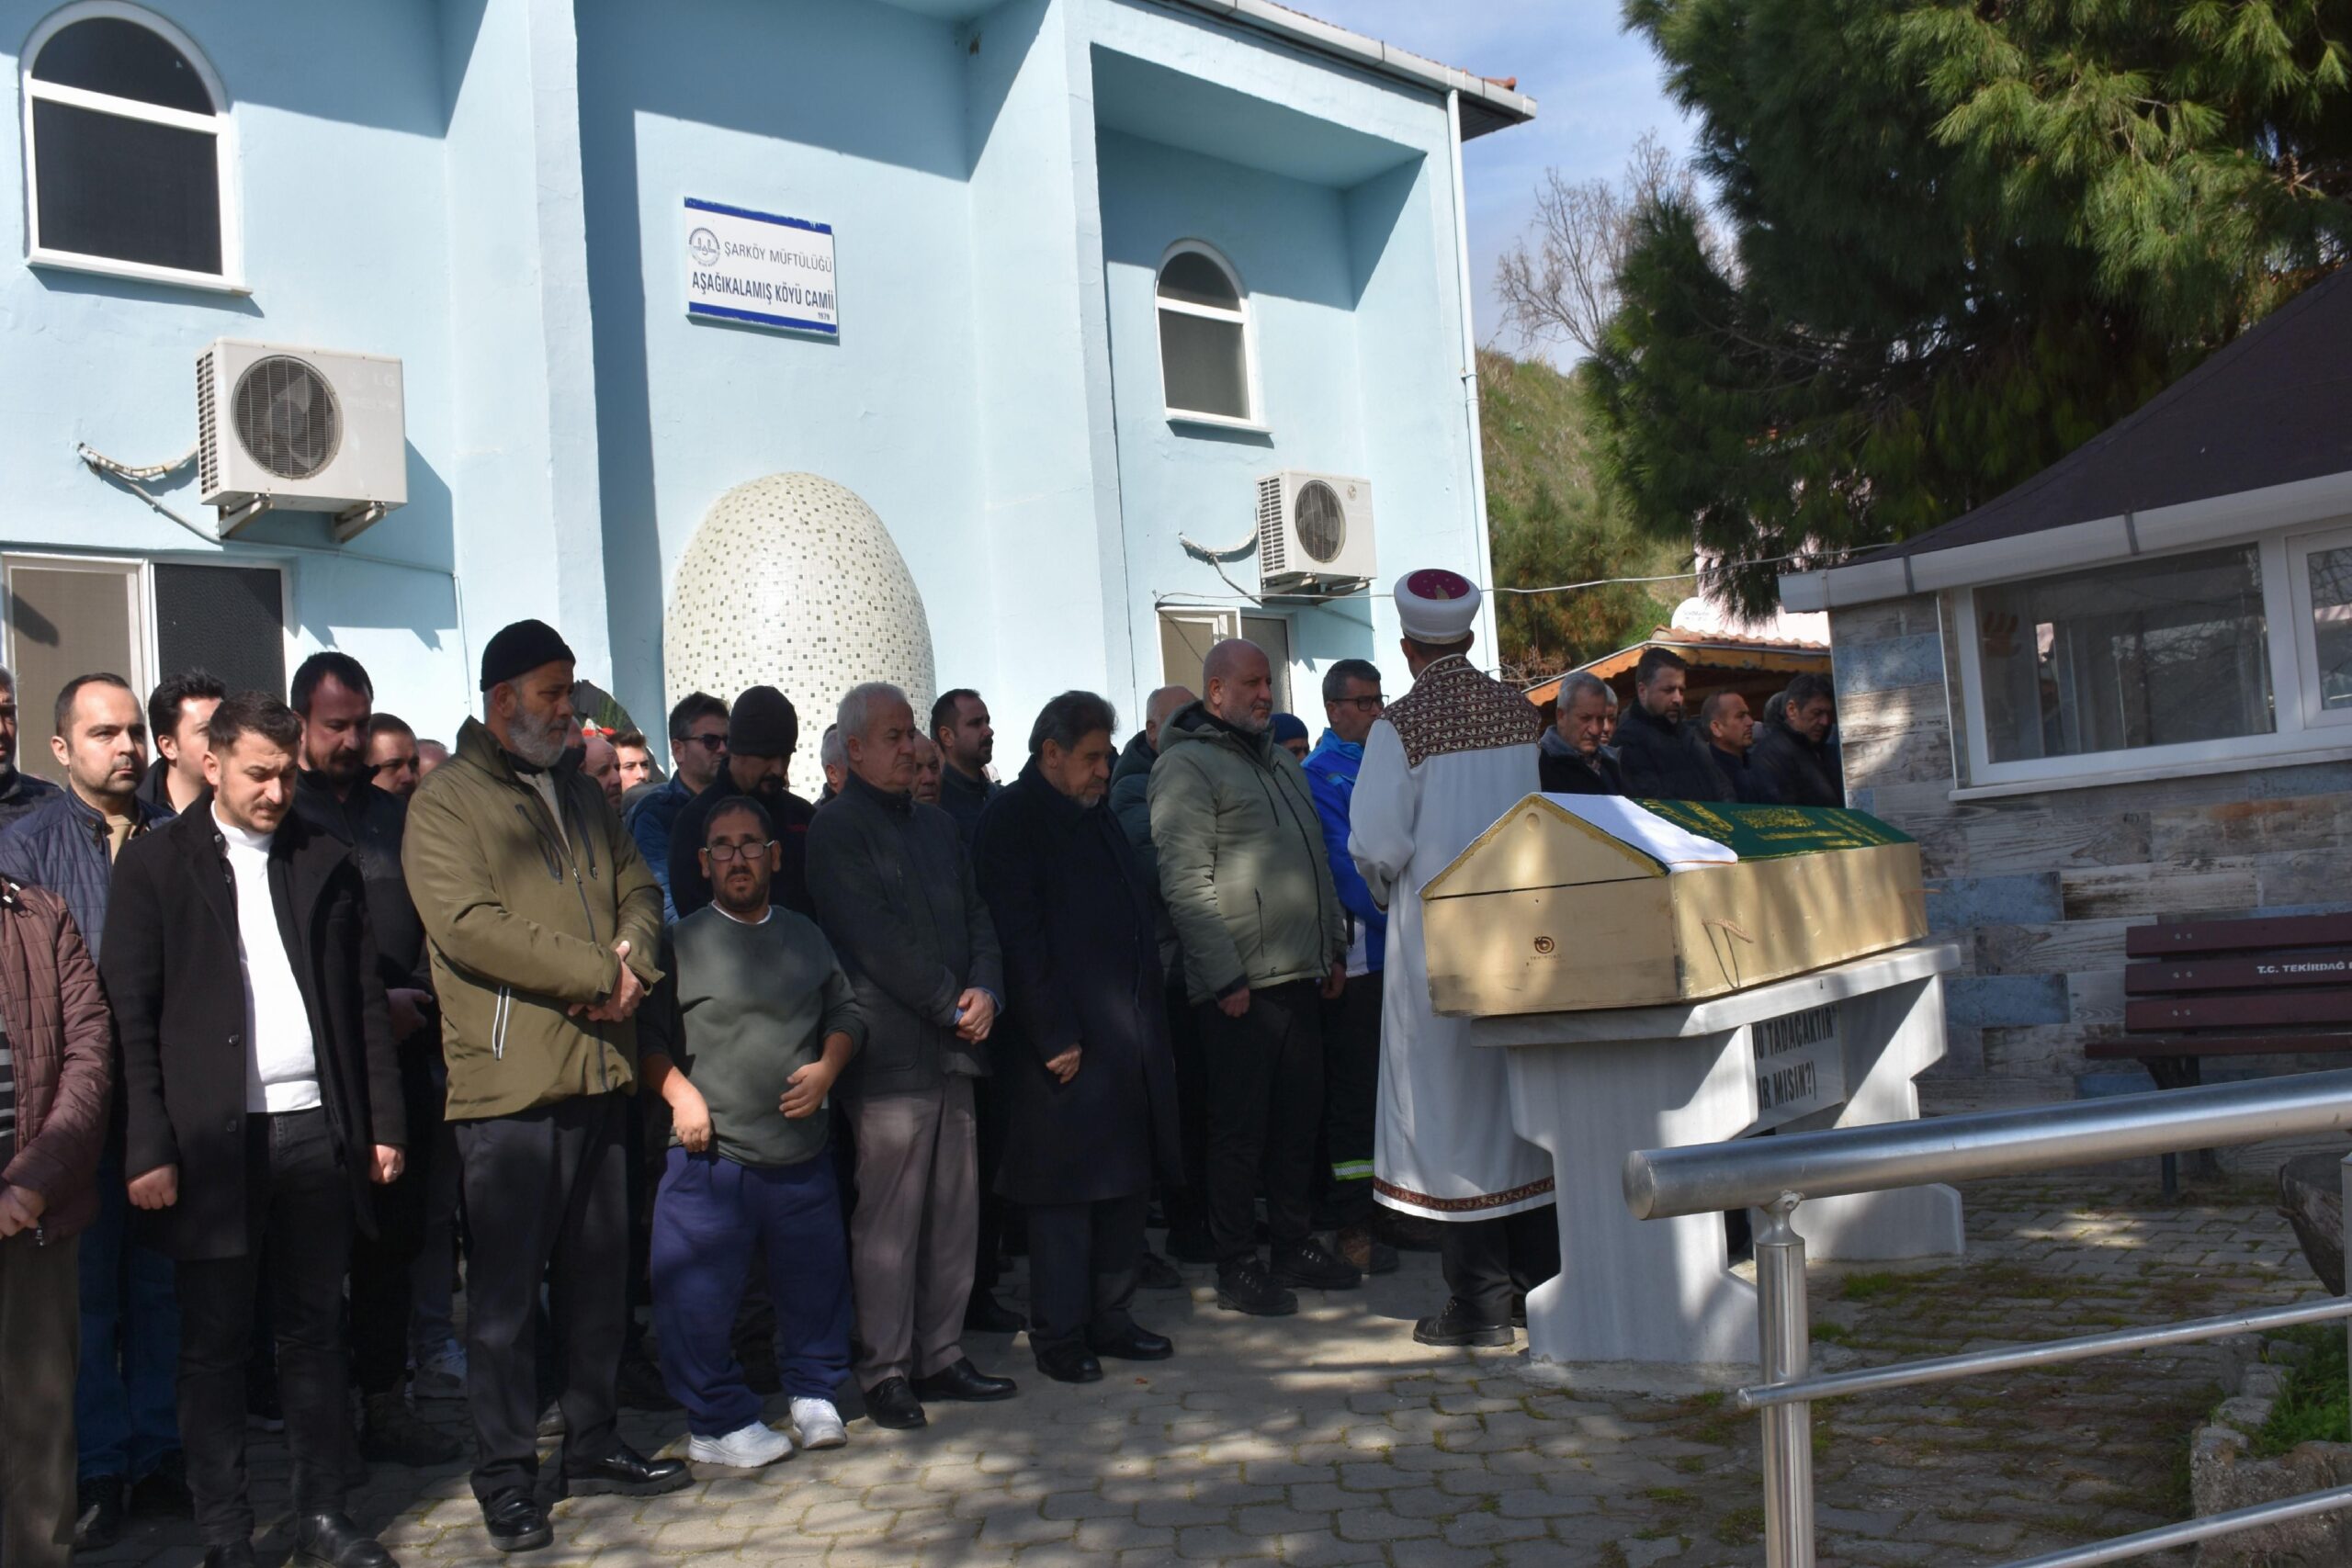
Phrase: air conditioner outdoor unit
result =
(1314, 532)
(299, 429)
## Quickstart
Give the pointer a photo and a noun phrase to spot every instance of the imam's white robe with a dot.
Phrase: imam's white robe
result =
(1445, 1148)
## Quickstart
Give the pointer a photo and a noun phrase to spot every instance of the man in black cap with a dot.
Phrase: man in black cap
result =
(544, 928)
(763, 731)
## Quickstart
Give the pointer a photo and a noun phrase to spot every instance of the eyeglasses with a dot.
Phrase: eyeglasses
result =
(713, 742)
(1373, 704)
(723, 854)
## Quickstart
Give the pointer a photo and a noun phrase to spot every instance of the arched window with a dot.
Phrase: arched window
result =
(128, 150)
(1205, 369)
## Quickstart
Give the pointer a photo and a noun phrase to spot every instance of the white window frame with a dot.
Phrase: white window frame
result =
(2299, 549)
(221, 125)
(1245, 318)
(138, 576)
(2294, 659)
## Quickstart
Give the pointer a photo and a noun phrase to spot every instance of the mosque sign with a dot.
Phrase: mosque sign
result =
(759, 267)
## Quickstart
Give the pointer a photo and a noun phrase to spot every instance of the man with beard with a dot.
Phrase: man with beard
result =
(544, 927)
(959, 724)
(1088, 1081)
(19, 791)
(1247, 883)
(125, 1422)
(763, 731)
(262, 1098)
(336, 701)
(601, 761)
(1660, 759)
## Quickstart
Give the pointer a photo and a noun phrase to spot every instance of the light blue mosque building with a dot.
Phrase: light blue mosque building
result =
(1109, 326)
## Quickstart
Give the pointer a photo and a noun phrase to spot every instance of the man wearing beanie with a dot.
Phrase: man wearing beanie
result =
(763, 731)
(544, 927)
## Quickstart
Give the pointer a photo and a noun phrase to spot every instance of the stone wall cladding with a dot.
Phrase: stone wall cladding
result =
(2039, 889)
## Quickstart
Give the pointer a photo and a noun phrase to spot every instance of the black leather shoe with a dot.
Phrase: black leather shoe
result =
(516, 1522)
(1246, 1287)
(1156, 1273)
(331, 1540)
(965, 1382)
(239, 1555)
(1458, 1326)
(624, 1472)
(1069, 1363)
(892, 1402)
(1132, 1343)
(986, 1315)
(1311, 1266)
(98, 1512)
(163, 1492)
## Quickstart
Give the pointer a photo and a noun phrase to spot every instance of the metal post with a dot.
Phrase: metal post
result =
(1785, 1328)
(2346, 1169)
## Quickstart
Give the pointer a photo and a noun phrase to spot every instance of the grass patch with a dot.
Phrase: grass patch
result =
(1833, 1334)
(2313, 1406)
(1741, 1526)
(1674, 1496)
(1873, 1286)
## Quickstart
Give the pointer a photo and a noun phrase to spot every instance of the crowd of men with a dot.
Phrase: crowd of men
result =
(719, 1091)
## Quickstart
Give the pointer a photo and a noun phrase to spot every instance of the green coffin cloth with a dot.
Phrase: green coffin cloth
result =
(1769, 832)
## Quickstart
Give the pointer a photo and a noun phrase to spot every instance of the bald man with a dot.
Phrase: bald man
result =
(1248, 886)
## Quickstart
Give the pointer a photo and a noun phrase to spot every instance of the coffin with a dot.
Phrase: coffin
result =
(1572, 902)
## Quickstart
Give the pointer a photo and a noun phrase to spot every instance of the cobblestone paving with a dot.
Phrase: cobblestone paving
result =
(1332, 1437)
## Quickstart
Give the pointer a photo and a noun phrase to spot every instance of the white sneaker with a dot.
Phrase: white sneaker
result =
(747, 1448)
(440, 1376)
(816, 1425)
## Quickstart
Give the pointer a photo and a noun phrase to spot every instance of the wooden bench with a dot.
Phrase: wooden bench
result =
(2257, 985)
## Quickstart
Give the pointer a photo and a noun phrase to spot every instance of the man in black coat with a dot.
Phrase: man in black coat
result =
(333, 792)
(1793, 746)
(1570, 757)
(763, 731)
(1660, 759)
(263, 1097)
(1730, 733)
(1082, 1059)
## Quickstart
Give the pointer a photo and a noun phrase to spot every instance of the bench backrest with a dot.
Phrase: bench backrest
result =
(2276, 971)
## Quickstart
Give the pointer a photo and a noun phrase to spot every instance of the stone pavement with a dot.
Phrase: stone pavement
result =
(1332, 1437)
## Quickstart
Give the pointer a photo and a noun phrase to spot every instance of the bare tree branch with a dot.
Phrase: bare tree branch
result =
(1560, 281)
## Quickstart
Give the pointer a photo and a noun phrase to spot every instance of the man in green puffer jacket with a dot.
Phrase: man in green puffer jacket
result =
(1243, 871)
(544, 926)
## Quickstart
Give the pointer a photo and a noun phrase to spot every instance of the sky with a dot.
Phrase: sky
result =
(1596, 88)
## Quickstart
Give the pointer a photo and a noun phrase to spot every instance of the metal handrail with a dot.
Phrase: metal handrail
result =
(1707, 1179)
(1778, 1174)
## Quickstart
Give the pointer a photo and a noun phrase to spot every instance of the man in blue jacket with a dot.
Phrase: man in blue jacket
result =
(1352, 703)
(125, 1405)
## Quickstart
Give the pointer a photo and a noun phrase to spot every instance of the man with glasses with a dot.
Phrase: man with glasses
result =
(744, 1040)
(1352, 704)
(698, 747)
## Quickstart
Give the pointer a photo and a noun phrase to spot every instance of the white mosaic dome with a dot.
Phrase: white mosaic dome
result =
(793, 581)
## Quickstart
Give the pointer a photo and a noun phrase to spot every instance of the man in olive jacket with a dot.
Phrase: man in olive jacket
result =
(544, 926)
(1247, 882)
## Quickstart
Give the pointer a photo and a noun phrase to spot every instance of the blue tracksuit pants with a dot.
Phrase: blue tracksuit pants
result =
(708, 1216)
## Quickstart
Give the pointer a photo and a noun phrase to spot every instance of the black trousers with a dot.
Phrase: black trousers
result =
(1264, 1081)
(546, 1197)
(1486, 1260)
(1083, 1259)
(990, 1124)
(1350, 1105)
(1187, 1205)
(298, 1235)
(383, 1266)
